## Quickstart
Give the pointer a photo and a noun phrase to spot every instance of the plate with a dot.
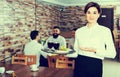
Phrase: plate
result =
(34, 69)
(61, 51)
(9, 71)
(48, 50)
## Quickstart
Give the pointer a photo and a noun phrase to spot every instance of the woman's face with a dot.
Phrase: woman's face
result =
(92, 15)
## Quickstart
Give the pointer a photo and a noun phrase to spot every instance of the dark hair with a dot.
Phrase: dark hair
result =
(56, 27)
(34, 34)
(74, 29)
(92, 4)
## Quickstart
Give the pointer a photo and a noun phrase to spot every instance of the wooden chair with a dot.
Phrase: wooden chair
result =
(14, 75)
(19, 60)
(31, 59)
(63, 62)
(52, 61)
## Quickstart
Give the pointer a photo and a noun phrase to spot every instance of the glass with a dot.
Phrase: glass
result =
(56, 46)
(50, 45)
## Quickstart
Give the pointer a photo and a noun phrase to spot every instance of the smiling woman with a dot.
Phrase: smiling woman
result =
(91, 47)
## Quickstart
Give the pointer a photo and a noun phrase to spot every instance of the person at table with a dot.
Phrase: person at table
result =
(71, 45)
(93, 42)
(33, 47)
(56, 40)
(72, 40)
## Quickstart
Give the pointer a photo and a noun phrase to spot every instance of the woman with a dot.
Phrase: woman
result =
(93, 42)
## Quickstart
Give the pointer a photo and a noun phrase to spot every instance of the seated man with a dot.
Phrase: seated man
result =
(56, 40)
(33, 47)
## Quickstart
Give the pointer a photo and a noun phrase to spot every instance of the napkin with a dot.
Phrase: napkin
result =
(9, 71)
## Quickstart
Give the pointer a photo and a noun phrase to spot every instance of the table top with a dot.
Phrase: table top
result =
(59, 51)
(24, 71)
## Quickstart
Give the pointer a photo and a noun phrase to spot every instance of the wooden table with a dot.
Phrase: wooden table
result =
(24, 71)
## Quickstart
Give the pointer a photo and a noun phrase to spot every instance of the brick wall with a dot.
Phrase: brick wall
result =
(19, 17)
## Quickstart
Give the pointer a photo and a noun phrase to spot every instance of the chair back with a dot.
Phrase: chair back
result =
(52, 61)
(19, 60)
(31, 59)
(63, 62)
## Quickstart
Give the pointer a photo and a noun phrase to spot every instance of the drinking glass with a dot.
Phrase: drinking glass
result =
(56, 46)
(50, 45)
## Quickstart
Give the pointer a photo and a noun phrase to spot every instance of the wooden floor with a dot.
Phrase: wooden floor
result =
(111, 68)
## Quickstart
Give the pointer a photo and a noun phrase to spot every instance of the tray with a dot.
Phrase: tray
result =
(68, 51)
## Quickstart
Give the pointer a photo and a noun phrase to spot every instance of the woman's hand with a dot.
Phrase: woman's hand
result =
(87, 49)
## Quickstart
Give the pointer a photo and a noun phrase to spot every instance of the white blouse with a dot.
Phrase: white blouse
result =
(95, 37)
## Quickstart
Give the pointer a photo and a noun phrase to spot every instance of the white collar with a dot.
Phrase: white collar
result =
(93, 26)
